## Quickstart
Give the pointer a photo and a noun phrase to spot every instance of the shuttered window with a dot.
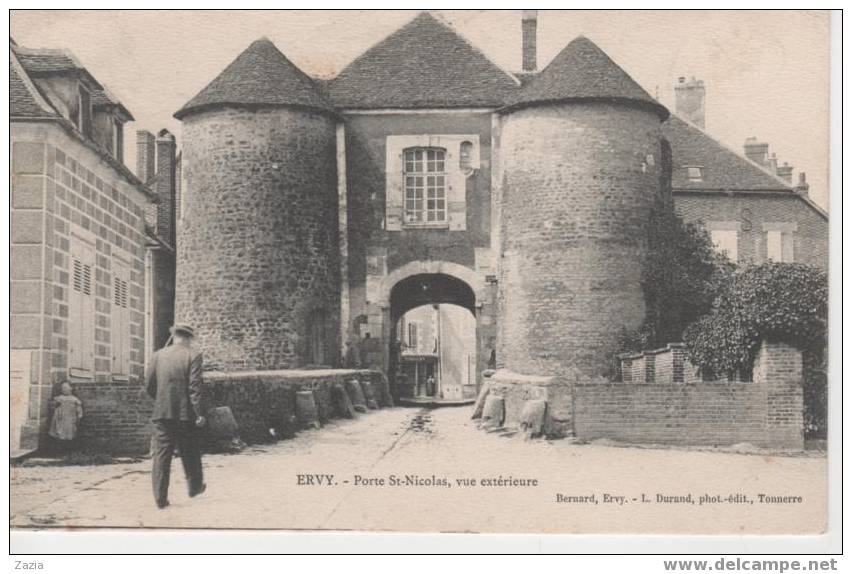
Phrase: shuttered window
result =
(779, 246)
(81, 307)
(120, 333)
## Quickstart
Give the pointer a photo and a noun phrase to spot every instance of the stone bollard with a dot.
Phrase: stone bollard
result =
(221, 431)
(356, 395)
(480, 400)
(493, 412)
(532, 417)
(369, 395)
(341, 404)
(307, 413)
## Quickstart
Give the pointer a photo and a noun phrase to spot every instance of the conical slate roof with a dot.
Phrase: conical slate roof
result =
(261, 75)
(424, 64)
(582, 71)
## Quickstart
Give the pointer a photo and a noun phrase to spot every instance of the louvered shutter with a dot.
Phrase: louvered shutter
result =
(120, 318)
(81, 307)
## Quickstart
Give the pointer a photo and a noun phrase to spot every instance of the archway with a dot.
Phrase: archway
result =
(444, 309)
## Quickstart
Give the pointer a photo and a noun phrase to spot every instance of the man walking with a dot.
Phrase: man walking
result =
(173, 380)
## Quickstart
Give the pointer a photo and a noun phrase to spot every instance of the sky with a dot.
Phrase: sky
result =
(766, 72)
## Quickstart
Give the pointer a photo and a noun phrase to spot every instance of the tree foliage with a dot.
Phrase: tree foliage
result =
(776, 302)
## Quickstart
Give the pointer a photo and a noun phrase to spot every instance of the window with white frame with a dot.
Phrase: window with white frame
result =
(725, 241)
(779, 246)
(424, 181)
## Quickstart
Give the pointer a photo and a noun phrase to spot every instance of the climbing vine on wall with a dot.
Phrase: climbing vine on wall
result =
(776, 302)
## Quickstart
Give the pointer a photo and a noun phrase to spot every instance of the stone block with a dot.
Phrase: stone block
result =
(493, 413)
(532, 417)
(356, 395)
(27, 157)
(307, 413)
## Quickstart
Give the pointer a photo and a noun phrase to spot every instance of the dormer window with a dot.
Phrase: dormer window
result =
(84, 112)
(424, 180)
(695, 173)
(118, 140)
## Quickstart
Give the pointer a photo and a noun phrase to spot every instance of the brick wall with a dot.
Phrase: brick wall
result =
(579, 182)
(263, 400)
(766, 412)
(116, 417)
(257, 245)
(752, 211)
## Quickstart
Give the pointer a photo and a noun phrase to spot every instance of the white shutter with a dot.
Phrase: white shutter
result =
(393, 186)
(120, 336)
(81, 307)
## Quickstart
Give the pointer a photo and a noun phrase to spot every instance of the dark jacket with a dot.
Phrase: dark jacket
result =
(174, 382)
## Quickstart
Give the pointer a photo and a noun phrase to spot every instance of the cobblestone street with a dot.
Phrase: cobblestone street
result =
(259, 488)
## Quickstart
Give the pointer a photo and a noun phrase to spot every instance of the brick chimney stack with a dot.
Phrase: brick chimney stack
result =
(529, 23)
(756, 151)
(785, 172)
(145, 155)
(802, 187)
(689, 100)
(165, 186)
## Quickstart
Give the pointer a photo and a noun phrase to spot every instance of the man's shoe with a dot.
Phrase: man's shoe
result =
(199, 491)
(163, 504)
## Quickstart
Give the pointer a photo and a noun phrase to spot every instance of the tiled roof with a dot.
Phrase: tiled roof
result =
(582, 71)
(38, 61)
(721, 168)
(424, 64)
(261, 75)
(23, 103)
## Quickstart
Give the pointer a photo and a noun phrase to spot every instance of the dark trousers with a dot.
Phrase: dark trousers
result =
(169, 434)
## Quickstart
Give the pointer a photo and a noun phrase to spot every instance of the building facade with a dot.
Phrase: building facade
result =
(78, 239)
(319, 212)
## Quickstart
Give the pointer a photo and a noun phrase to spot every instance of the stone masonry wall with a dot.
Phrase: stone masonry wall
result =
(264, 400)
(62, 193)
(257, 254)
(577, 191)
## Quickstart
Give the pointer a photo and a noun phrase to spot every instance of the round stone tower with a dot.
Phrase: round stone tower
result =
(581, 151)
(257, 255)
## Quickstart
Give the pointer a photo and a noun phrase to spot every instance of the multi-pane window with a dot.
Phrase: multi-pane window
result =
(412, 335)
(84, 112)
(425, 185)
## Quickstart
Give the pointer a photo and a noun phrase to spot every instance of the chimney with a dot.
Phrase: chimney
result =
(145, 155)
(529, 23)
(756, 151)
(802, 187)
(165, 186)
(785, 172)
(689, 100)
(772, 163)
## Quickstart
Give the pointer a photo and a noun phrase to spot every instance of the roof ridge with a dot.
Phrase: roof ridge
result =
(740, 155)
(447, 24)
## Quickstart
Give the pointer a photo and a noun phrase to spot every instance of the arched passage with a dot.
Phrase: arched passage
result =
(447, 295)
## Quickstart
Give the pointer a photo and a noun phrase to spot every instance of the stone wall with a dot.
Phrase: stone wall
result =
(264, 400)
(517, 389)
(765, 413)
(257, 248)
(579, 183)
(116, 414)
(65, 197)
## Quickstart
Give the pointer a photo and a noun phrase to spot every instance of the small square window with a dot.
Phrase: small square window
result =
(695, 173)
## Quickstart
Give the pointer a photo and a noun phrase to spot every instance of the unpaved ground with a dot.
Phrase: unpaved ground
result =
(259, 488)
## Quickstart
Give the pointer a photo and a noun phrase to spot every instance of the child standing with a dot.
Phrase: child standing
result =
(67, 412)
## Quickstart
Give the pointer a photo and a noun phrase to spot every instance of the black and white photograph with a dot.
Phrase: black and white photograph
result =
(438, 271)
